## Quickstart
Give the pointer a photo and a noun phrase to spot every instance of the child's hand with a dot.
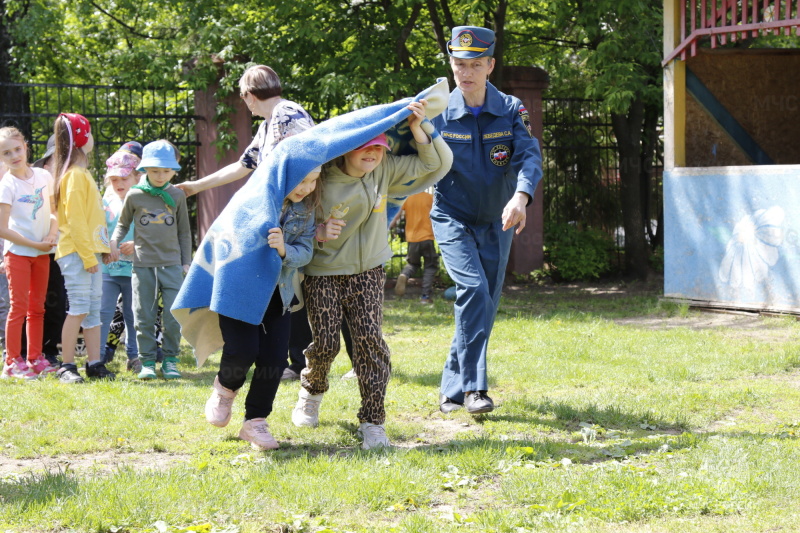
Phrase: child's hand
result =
(415, 120)
(114, 255)
(51, 239)
(186, 269)
(43, 246)
(126, 248)
(94, 269)
(275, 240)
(106, 258)
(2, 267)
(330, 230)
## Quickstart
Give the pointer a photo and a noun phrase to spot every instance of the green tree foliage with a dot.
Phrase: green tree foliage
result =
(623, 53)
(335, 56)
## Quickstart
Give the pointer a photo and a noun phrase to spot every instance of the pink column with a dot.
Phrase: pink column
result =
(527, 251)
(211, 202)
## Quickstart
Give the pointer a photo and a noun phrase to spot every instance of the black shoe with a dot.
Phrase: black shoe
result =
(53, 360)
(478, 402)
(99, 371)
(68, 373)
(446, 405)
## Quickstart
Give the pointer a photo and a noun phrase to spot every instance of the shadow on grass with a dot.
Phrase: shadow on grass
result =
(38, 487)
(579, 301)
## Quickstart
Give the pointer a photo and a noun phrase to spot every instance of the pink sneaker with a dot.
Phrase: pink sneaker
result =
(18, 369)
(218, 406)
(256, 432)
(41, 366)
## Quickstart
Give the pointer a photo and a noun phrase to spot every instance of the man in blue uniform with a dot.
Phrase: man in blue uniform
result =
(496, 167)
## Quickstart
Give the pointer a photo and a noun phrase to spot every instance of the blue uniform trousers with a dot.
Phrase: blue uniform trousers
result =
(475, 256)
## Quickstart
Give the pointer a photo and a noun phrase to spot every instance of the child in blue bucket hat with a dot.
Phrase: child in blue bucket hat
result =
(162, 254)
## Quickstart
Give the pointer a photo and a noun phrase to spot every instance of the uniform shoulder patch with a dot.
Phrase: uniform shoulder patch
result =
(523, 114)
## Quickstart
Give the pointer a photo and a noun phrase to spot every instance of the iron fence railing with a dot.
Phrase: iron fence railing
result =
(118, 114)
(579, 155)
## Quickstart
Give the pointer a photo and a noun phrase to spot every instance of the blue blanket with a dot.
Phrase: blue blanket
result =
(234, 271)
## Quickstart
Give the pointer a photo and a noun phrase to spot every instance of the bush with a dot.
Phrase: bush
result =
(577, 254)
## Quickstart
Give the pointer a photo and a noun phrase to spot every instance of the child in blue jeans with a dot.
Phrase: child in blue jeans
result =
(162, 254)
(120, 177)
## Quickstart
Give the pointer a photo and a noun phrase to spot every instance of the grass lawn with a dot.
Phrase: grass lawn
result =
(616, 413)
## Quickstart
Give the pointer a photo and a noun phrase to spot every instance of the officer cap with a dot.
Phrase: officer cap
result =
(469, 42)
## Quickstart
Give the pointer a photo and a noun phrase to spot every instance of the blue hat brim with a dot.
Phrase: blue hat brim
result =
(152, 162)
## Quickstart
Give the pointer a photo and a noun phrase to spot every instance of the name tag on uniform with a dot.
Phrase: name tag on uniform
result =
(497, 135)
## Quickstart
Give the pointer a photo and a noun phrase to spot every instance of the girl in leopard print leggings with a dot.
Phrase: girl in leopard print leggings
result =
(345, 276)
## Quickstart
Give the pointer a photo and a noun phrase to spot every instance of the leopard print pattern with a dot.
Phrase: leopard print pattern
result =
(360, 298)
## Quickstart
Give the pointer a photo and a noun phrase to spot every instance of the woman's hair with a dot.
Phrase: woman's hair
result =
(66, 154)
(260, 81)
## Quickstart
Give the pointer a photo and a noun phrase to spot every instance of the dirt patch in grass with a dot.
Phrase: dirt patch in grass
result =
(741, 324)
(100, 463)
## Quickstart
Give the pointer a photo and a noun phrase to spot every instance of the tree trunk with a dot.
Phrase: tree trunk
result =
(14, 106)
(628, 130)
(499, 47)
(648, 157)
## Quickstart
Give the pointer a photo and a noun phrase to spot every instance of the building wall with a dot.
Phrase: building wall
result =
(759, 89)
(732, 237)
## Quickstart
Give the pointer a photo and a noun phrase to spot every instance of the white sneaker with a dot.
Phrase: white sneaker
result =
(306, 412)
(350, 375)
(218, 406)
(400, 285)
(256, 432)
(374, 436)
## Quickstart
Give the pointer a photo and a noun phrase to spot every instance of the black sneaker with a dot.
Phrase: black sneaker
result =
(68, 373)
(478, 402)
(99, 371)
(53, 360)
(446, 405)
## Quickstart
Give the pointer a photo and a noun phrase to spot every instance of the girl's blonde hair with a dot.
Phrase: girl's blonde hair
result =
(10, 132)
(67, 153)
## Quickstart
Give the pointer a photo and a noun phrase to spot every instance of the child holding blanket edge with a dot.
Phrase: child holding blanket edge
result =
(346, 274)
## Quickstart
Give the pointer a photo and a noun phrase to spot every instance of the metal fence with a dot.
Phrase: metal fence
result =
(117, 114)
(581, 169)
(579, 156)
(579, 160)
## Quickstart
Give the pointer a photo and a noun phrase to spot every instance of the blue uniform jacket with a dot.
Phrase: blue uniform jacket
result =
(297, 223)
(494, 156)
